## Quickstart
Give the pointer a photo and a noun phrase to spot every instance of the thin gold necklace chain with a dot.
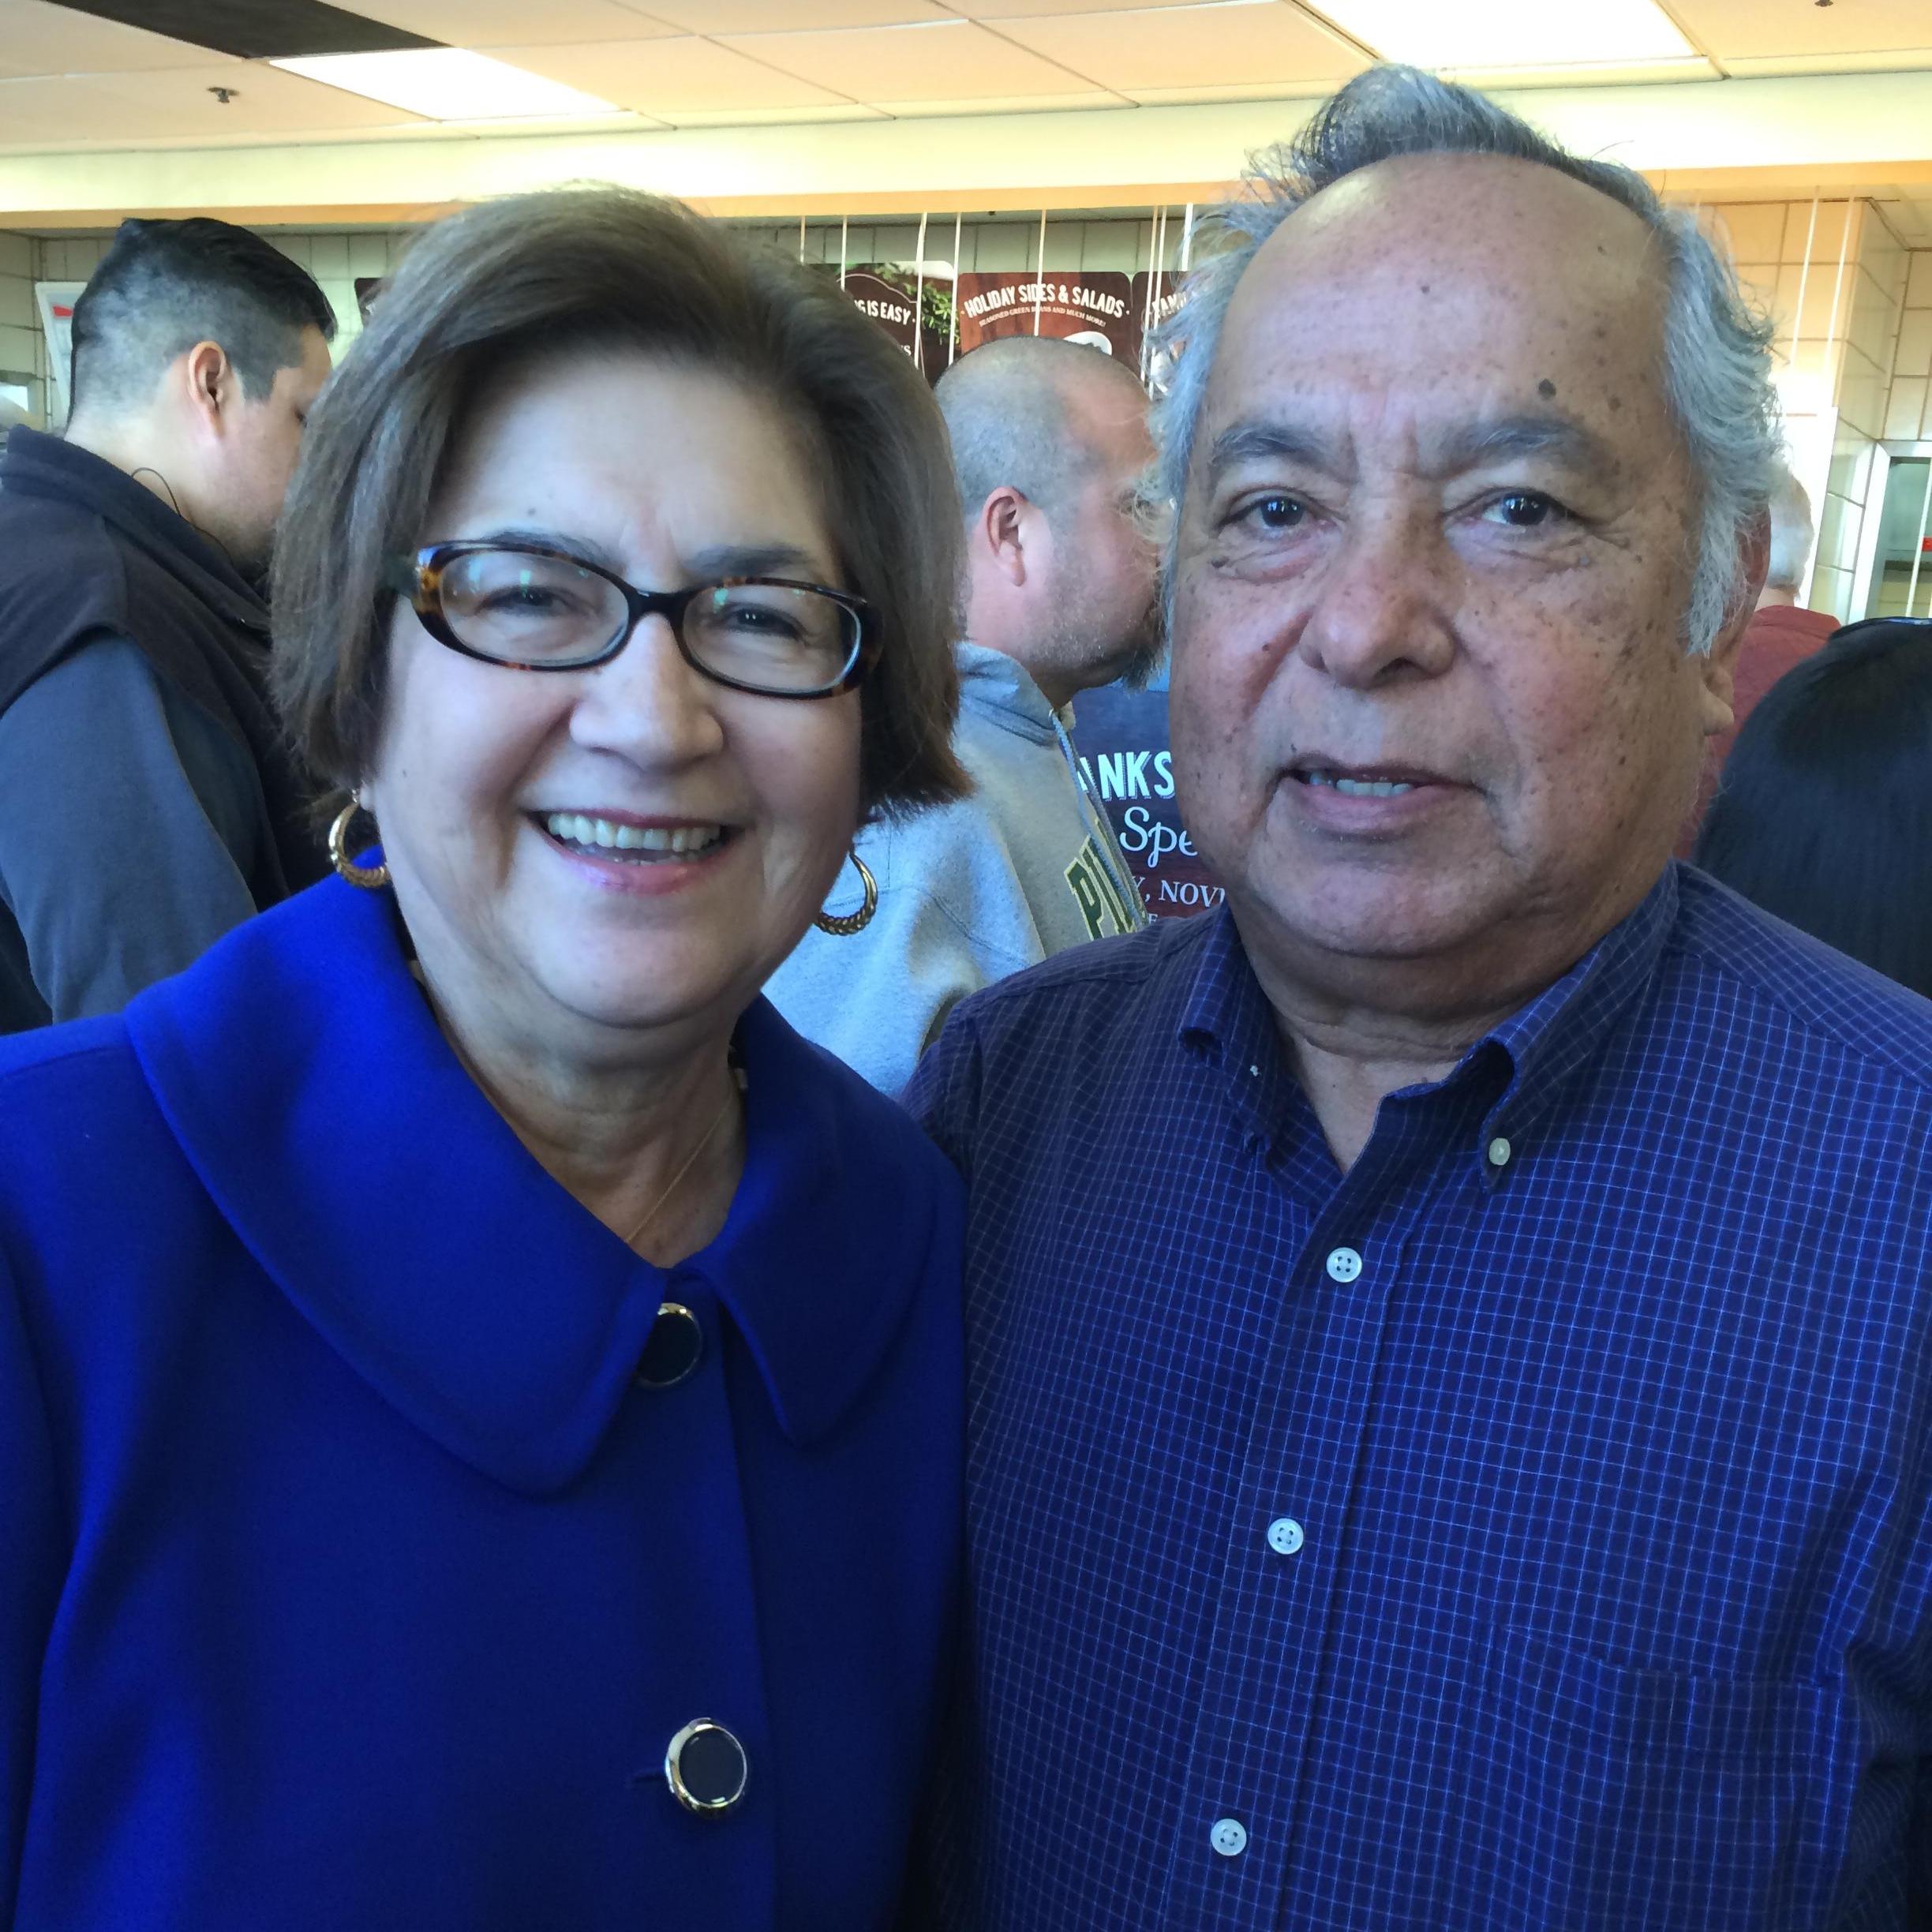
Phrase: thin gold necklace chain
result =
(691, 1161)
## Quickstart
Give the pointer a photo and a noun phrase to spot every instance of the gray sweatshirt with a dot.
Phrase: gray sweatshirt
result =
(969, 893)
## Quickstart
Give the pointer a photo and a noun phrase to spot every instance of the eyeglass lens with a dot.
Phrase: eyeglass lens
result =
(536, 610)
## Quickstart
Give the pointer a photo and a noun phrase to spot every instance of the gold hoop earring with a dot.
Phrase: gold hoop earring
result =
(843, 925)
(371, 878)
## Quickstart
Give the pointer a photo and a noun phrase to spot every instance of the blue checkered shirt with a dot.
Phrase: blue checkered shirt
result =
(1528, 1528)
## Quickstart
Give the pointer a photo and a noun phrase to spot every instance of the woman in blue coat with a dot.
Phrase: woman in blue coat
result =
(480, 1403)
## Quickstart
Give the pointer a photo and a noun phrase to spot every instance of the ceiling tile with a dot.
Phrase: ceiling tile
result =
(997, 104)
(955, 61)
(777, 116)
(493, 24)
(128, 110)
(37, 38)
(1003, 10)
(745, 16)
(1741, 29)
(1230, 41)
(661, 78)
(1867, 60)
(1505, 33)
(1232, 91)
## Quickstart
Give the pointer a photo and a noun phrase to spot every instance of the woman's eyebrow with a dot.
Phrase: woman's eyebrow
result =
(714, 561)
(525, 537)
(756, 560)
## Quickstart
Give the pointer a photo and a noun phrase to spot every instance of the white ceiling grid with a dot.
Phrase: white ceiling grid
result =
(69, 80)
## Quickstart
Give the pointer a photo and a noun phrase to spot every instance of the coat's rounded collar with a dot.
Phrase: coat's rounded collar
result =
(309, 1087)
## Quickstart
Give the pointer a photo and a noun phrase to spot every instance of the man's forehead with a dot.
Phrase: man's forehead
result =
(1440, 271)
(1478, 212)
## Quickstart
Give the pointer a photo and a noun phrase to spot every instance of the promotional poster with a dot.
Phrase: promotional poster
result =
(1096, 309)
(892, 296)
(1121, 736)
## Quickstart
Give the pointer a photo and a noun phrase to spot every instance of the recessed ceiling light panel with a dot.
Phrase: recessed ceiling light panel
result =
(450, 84)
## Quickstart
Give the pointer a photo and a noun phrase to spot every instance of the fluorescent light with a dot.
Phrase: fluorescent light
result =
(449, 84)
(1510, 33)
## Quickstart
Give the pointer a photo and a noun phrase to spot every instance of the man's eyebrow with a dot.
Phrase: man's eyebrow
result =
(1464, 446)
(1261, 441)
(1496, 439)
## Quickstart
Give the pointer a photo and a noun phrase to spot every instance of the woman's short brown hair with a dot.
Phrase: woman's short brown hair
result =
(590, 269)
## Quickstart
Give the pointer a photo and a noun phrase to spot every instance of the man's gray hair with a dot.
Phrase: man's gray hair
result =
(1716, 351)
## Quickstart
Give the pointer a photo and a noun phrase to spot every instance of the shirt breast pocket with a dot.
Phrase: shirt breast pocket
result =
(1605, 1796)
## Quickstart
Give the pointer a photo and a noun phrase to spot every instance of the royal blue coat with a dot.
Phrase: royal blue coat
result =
(348, 1581)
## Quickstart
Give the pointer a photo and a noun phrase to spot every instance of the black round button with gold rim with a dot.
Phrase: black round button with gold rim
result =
(672, 1350)
(706, 1767)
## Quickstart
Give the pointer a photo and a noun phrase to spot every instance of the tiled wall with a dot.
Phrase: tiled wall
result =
(19, 324)
(1832, 277)
(1908, 415)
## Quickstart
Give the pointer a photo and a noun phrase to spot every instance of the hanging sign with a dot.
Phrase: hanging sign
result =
(1095, 308)
(892, 297)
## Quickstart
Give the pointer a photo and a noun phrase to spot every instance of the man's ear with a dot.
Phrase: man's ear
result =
(1717, 709)
(213, 388)
(1000, 532)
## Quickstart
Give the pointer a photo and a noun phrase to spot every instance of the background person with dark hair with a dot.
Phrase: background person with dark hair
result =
(1825, 816)
(148, 802)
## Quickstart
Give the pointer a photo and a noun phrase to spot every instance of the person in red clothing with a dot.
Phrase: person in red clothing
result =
(1781, 635)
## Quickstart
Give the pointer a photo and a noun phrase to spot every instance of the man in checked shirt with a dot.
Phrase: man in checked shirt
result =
(1450, 1360)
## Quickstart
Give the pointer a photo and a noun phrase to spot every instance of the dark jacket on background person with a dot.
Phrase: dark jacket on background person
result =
(148, 801)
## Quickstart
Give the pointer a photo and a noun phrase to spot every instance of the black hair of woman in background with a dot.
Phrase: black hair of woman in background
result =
(481, 1406)
(1824, 817)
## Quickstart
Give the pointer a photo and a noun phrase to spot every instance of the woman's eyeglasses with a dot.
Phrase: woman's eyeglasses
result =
(534, 609)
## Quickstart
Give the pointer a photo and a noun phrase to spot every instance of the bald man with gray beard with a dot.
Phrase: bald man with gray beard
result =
(1049, 444)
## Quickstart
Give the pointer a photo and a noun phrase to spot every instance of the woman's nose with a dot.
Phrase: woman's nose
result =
(648, 703)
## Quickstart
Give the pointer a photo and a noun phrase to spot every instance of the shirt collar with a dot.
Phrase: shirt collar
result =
(309, 1087)
(1556, 1035)
(1542, 1046)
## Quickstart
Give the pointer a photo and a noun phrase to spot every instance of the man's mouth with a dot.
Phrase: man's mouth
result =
(637, 845)
(1358, 788)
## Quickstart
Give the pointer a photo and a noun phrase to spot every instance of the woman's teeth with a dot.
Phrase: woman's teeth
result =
(589, 834)
(1362, 787)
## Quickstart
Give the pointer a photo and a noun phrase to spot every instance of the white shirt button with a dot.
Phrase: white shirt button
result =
(1344, 1264)
(1228, 1836)
(1284, 1536)
(1499, 1152)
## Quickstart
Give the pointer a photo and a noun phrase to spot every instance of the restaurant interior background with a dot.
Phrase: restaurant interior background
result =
(990, 165)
